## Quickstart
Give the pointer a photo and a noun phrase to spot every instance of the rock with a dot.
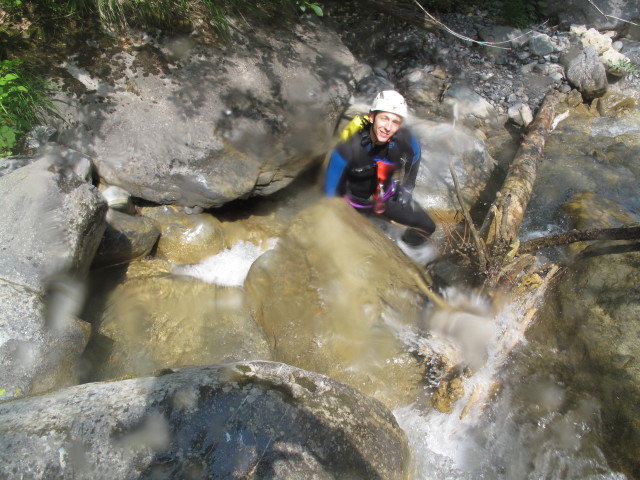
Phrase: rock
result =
(241, 420)
(334, 296)
(442, 144)
(466, 103)
(118, 199)
(520, 114)
(126, 238)
(186, 238)
(541, 44)
(585, 72)
(52, 223)
(157, 320)
(215, 124)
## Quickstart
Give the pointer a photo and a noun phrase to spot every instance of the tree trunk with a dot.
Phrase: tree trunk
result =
(502, 224)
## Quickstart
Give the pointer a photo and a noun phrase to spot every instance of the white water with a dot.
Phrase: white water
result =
(228, 268)
(507, 435)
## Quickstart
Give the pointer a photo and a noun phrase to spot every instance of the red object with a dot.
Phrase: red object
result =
(384, 172)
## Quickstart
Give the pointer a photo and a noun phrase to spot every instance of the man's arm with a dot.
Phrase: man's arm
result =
(412, 169)
(335, 173)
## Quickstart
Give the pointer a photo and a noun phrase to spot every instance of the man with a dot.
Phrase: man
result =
(375, 169)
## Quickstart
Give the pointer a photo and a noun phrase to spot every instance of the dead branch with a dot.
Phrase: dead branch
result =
(481, 250)
(620, 233)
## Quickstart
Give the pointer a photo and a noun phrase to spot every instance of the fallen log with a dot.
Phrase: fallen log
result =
(502, 223)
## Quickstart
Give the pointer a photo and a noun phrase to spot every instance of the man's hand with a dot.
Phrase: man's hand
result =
(404, 195)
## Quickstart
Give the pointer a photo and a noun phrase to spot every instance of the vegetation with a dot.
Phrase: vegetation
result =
(24, 98)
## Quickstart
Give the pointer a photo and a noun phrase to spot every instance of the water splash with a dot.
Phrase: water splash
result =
(228, 268)
(507, 425)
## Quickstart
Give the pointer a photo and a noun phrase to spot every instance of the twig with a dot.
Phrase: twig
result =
(480, 247)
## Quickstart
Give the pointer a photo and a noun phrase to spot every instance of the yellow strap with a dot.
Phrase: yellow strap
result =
(354, 125)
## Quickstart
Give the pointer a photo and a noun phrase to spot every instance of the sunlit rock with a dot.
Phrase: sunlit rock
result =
(445, 146)
(242, 420)
(586, 72)
(157, 320)
(336, 296)
(186, 238)
(219, 124)
(51, 225)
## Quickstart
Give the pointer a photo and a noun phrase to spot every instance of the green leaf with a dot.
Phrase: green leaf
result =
(2, 391)
(316, 8)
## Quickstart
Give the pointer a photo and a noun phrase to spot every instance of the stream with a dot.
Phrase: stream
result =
(527, 419)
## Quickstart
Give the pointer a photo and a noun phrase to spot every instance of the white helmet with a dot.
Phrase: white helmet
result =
(390, 101)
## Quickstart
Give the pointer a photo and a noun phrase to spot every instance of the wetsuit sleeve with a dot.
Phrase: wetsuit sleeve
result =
(335, 173)
(410, 178)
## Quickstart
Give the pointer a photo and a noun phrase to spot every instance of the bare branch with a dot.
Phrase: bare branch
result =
(572, 236)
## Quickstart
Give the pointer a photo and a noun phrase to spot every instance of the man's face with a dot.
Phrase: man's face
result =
(385, 125)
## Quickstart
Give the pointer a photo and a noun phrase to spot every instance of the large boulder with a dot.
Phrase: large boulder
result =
(586, 72)
(336, 296)
(243, 420)
(52, 224)
(181, 123)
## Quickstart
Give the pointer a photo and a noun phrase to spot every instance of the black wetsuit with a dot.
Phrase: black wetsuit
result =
(352, 173)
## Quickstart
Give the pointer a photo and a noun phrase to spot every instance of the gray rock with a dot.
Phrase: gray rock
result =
(215, 124)
(52, 223)
(242, 420)
(585, 72)
(541, 45)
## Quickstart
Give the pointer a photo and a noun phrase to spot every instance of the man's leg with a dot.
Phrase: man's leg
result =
(420, 224)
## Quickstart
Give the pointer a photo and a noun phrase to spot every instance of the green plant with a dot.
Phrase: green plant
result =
(623, 66)
(24, 98)
(313, 6)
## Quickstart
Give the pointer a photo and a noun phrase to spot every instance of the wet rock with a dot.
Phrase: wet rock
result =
(126, 238)
(49, 232)
(336, 296)
(156, 319)
(241, 420)
(186, 238)
(598, 312)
